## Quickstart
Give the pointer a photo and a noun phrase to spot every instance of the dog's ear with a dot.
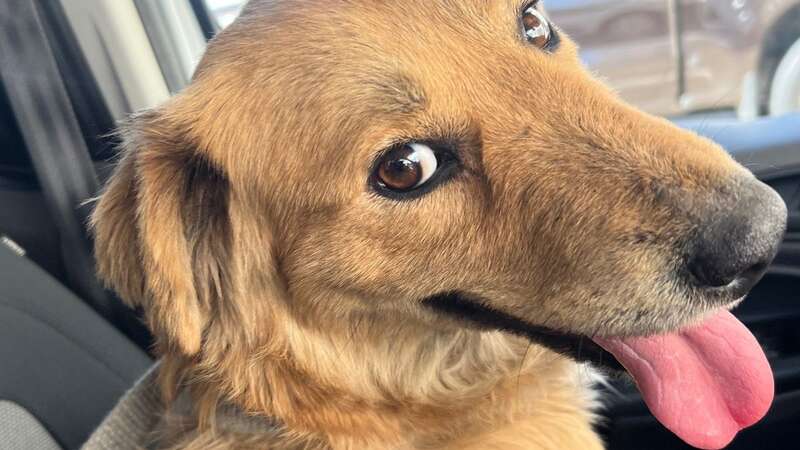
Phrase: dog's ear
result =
(162, 231)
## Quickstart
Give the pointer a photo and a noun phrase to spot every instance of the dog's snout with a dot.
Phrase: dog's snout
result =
(737, 242)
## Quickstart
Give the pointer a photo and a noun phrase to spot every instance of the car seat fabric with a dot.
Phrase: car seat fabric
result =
(59, 360)
(19, 430)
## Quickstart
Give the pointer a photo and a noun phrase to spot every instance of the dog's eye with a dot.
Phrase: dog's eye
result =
(407, 167)
(537, 28)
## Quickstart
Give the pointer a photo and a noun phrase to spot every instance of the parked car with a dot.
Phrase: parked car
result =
(677, 56)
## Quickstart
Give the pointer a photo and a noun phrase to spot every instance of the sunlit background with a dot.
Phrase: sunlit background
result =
(723, 58)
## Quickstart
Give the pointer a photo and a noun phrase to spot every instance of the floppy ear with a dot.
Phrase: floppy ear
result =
(162, 231)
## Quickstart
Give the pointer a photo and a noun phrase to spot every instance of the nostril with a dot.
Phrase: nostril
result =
(756, 269)
(753, 274)
(709, 272)
(709, 275)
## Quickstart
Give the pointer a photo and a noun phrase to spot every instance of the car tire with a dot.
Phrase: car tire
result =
(785, 86)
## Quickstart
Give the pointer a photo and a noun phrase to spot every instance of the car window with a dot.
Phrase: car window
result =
(223, 12)
(729, 59)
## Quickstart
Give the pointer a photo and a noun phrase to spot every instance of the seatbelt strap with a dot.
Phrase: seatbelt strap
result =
(59, 154)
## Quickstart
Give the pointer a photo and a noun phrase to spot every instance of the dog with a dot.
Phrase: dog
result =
(407, 225)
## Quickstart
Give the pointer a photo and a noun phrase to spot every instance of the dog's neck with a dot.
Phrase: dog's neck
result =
(378, 357)
(388, 379)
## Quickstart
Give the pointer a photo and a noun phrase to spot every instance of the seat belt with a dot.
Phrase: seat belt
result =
(52, 135)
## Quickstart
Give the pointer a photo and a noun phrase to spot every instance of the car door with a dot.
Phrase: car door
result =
(629, 42)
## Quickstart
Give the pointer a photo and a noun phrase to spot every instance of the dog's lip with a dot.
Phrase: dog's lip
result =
(581, 348)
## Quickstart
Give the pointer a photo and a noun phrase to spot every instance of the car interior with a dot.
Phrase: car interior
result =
(69, 349)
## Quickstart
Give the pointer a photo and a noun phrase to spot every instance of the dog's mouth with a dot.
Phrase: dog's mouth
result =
(705, 382)
(578, 347)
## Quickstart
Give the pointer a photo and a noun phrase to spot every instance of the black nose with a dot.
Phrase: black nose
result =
(739, 239)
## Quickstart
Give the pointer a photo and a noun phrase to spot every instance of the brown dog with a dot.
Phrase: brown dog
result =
(337, 223)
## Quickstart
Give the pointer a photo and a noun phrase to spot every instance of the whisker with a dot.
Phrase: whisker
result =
(521, 365)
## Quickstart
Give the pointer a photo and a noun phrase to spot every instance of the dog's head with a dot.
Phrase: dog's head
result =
(447, 163)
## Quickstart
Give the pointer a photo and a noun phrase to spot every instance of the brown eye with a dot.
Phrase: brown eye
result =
(407, 167)
(537, 27)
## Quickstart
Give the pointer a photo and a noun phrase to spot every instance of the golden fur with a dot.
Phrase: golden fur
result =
(274, 279)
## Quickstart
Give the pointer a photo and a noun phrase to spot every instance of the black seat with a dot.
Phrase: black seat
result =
(59, 360)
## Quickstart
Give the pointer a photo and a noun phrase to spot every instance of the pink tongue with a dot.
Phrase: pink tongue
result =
(704, 383)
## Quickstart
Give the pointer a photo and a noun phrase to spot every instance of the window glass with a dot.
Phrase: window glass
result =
(678, 57)
(730, 59)
(223, 12)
